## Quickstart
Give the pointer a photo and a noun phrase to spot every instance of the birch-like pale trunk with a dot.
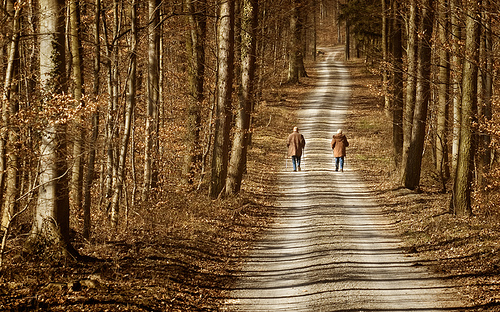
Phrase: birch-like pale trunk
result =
(51, 217)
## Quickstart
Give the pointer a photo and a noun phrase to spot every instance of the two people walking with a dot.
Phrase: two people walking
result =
(296, 144)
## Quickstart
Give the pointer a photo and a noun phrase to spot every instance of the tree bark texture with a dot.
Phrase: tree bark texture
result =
(225, 53)
(485, 93)
(456, 77)
(10, 109)
(246, 97)
(416, 148)
(76, 184)
(411, 86)
(442, 163)
(151, 137)
(95, 125)
(195, 46)
(127, 126)
(294, 48)
(385, 54)
(51, 219)
(397, 82)
(461, 198)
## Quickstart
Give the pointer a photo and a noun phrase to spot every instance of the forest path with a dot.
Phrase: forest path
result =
(332, 248)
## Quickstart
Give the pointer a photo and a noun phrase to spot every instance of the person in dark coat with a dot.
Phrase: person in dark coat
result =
(339, 143)
(295, 144)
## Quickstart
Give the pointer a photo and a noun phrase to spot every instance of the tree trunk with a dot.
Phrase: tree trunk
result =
(294, 49)
(301, 33)
(485, 90)
(442, 166)
(10, 100)
(195, 46)
(461, 197)
(76, 47)
(51, 218)
(411, 87)
(129, 110)
(347, 47)
(416, 148)
(225, 55)
(397, 82)
(385, 55)
(246, 97)
(456, 78)
(315, 29)
(95, 125)
(151, 137)
(113, 89)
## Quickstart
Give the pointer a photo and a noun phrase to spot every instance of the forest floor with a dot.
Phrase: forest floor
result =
(191, 264)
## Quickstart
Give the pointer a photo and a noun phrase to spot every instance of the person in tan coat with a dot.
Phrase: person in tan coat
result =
(339, 144)
(295, 144)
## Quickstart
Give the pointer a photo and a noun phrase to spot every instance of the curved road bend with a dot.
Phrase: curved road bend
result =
(332, 249)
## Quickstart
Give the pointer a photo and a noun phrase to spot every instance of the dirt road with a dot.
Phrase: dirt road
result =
(333, 249)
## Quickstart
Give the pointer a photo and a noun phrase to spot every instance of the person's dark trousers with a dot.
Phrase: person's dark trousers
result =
(296, 162)
(339, 163)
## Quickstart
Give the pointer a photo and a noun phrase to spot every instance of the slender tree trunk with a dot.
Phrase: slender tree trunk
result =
(76, 47)
(397, 82)
(315, 29)
(113, 89)
(385, 55)
(485, 90)
(153, 98)
(456, 78)
(11, 107)
(95, 125)
(225, 38)
(302, 42)
(246, 97)
(414, 160)
(411, 87)
(129, 110)
(461, 197)
(442, 165)
(347, 38)
(294, 48)
(336, 13)
(195, 45)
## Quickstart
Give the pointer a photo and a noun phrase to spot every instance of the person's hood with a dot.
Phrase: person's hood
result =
(339, 136)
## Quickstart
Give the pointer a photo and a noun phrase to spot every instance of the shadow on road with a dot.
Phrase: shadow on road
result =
(332, 248)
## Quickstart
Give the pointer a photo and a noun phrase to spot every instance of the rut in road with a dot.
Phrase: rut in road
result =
(332, 249)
